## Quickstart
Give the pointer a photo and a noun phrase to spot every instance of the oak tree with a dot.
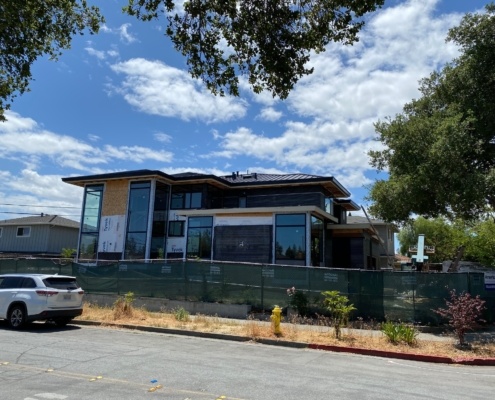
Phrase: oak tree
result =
(440, 151)
(30, 29)
(268, 41)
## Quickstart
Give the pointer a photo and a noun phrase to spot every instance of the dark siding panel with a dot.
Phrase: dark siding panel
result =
(251, 243)
(348, 253)
(271, 197)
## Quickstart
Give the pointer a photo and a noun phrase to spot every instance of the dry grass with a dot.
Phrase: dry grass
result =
(254, 329)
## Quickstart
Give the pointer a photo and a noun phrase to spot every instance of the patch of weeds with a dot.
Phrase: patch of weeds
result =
(181, 314)
(123, 306)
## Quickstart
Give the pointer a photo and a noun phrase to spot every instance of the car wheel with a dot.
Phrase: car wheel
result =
(62, 321)
(17, 316)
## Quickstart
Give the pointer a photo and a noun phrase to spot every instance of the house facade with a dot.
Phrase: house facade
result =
(255, 218)
(38, 235)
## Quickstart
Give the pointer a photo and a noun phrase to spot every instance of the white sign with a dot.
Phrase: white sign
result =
(490, 280)
(111, 234)
(330, 277)
(240, 221)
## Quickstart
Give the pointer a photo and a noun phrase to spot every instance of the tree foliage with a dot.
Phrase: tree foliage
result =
(477, 238)
(444, 236)
(30, 29)
(440, 151)
(269, 41)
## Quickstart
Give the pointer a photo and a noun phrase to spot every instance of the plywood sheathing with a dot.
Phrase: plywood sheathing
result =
(115, 197)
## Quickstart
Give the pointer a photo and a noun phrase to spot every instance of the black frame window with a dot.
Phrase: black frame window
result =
(186, 200)
(176, 228)
(137, 220)
(199, 237)
(290, 238)
(90, 227)
(316, 241)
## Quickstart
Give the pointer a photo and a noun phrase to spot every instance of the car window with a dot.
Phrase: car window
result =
(11, 282)
(28, 283)
(61, 283)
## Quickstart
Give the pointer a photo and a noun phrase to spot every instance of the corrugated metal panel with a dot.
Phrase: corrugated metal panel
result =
(42, 239)
(61, 238)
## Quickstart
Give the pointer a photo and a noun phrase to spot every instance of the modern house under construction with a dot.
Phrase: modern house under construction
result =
(293, 219)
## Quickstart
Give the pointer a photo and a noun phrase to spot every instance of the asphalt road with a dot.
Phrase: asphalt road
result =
(45, 362)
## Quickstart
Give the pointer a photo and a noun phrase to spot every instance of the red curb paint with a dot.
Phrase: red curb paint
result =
(404, 356)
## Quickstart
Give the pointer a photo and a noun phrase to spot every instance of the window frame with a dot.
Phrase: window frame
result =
(171, 232)
(23, 227)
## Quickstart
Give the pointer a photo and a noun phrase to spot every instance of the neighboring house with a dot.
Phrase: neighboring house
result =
(43, 235)
(252, 217)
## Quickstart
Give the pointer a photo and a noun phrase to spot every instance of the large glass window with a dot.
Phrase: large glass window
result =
(186, 200)
(88, 242)
(160, 217)
(316, 242)
(290, 239)
(199, 232)
(137, 220)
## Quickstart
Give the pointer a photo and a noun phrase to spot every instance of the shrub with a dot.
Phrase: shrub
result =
(298, 300)
(463, 312)
(399, 333)
(181, 314)
(123, 306)
(339, 309)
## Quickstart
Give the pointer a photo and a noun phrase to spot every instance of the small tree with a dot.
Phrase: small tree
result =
(463, 312)
(67, 253)
(339, 309)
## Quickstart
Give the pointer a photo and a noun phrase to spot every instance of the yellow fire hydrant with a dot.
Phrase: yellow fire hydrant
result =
(276, 317)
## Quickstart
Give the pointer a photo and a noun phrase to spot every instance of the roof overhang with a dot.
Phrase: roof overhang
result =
(315, 211)
(347, 204)
(330, 184)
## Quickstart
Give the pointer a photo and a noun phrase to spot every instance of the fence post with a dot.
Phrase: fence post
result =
(262, 287)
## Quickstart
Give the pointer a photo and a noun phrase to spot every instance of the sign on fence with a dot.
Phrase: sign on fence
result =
(490, 280)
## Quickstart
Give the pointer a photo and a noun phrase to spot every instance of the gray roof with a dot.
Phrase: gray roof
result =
(256, 177)
(53, 220)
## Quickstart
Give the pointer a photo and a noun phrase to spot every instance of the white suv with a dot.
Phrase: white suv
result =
(32, 297)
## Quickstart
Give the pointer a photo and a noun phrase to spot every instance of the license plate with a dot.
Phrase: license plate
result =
(67, 296)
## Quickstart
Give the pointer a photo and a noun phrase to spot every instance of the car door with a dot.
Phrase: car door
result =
(9, 290)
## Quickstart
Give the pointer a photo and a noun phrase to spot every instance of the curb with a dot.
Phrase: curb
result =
(299, 345)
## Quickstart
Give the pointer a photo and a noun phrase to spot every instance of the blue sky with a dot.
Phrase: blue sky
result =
(122, 100)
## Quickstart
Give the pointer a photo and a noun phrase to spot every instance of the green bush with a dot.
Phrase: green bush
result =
(181, 314)
(298, 300)
(399, 333)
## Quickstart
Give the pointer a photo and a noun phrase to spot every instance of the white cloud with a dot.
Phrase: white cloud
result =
(125, 35)
(122, 31)
(270, 114)
(333, 110)
(162, 137)
(100, 55)
(22, 139)
(156, 88)
(31, 192)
